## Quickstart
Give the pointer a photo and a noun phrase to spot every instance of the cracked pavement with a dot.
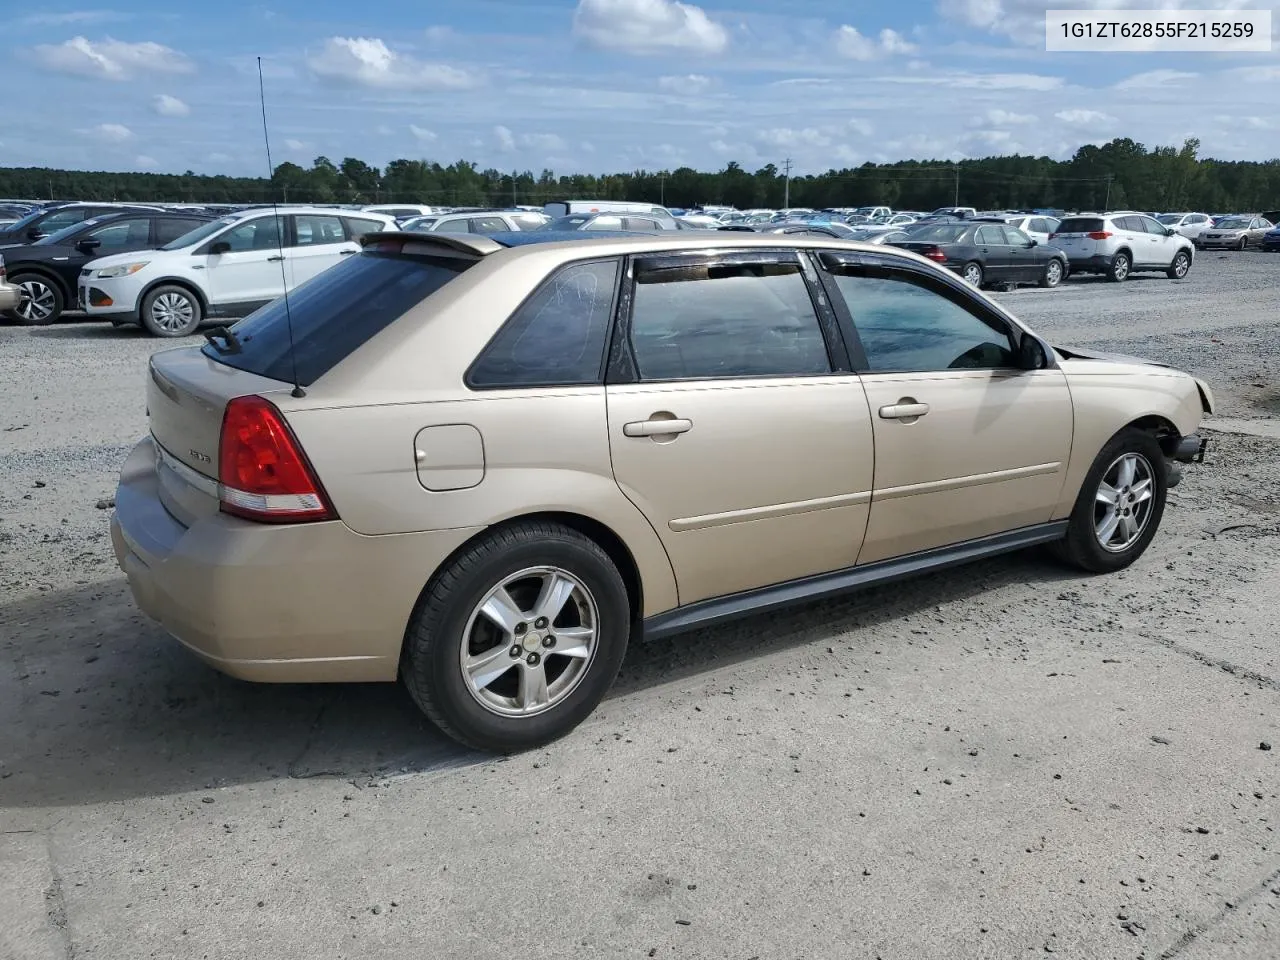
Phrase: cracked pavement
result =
(1000, 759)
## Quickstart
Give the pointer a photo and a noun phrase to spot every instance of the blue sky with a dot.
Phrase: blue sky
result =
(603, 85)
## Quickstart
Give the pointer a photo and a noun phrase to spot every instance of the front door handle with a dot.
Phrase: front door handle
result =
(659, 427)
(347, 253)
(904, 409)
(274, 259)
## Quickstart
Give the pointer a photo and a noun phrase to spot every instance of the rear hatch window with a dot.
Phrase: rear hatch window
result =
(1081, 225)
(335, 313)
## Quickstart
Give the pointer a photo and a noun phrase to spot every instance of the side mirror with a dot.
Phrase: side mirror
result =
(88, 244)
(34, 233)
(1169, 231)
(1033, 242)
(221, 246)
(1031, 355)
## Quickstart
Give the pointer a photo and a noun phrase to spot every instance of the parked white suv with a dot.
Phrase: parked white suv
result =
(225, 268)
(1190, 225)
(486, 222)
(1035, 226)
(1117, 244)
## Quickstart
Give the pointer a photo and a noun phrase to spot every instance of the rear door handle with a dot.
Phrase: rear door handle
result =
(274, 259)
(347, 253)
(903, 410)
(656, 428)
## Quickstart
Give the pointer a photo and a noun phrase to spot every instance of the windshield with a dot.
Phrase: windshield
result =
(202, 232)
(27, 220)
(66, 232)
(1234, 223)
(1170, 218)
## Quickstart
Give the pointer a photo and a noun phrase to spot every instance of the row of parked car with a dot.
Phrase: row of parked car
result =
(168, 269)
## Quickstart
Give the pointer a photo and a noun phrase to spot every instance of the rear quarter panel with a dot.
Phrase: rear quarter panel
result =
(1107, 397)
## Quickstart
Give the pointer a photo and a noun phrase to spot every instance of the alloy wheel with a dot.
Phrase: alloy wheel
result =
(1121, 267)
(1123, 502)
(172, 311)
(1054, 273)
(1181, 264)
(973, 274)
(529, 642)
(37, 301)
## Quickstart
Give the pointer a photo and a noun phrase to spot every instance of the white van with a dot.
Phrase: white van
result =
(563, 208)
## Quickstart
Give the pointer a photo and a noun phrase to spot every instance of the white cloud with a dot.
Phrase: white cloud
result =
(1007, 118)
(854, 45)
(440, 34)
(111, 59)
(383, 130)
(168, 106)
(587, 147)
(295, 145)
(1024, 20)
(541, 141)
(110, 132)
(422, 134)
(1085, 118)
(143, 160)
(980, 81)
(647, 26)
(220, 157)
(860, 127)
(784, 137)
(506, 140)
(369, 62)
(690, 84)
(1252, 123)
(1155, 78)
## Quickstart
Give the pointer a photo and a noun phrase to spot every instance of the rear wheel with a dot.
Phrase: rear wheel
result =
(1052, 273)
(170, 311)
(1244, 243)
(41, 301)
(972, 273)
(1119, 507)
(1181, 264)
(1120, 267)
(517, 640)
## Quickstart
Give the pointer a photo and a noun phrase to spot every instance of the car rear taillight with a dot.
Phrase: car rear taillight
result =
(1053, 236)
(1099, 235)
(935, 254)
(2, 274)
(263, 474)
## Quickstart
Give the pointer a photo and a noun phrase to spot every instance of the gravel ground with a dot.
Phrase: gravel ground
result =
(998, 760)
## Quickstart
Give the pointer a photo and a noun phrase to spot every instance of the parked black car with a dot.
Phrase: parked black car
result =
(46, 271)
(986, 253)
(50, 219)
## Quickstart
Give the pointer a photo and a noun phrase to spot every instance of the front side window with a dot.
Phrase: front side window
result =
(557, 336)
(460, 225)
(912, 324)
(715, 320)
(64, 218)
(1016, 237)
(312, 230)
(1151, 226)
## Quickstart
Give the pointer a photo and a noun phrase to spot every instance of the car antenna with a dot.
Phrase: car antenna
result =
(275, 210)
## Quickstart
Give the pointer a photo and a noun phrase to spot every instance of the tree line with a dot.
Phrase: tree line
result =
(1120, 173)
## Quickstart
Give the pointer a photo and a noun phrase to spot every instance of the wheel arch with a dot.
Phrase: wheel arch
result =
(44, 273)
(173, 282)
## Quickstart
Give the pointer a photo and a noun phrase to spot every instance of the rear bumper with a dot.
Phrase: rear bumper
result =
(304, 603)
(1091, 264)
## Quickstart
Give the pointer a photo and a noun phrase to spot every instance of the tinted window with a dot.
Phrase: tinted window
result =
(1151, 226)
(1016, 237)
(1197, 218)
(1040, 225)
(557, 336)
(122, 234)
(334, 313)
(461, 225)
(357, 227)
(199, 234)
(940, 232)
(1133, 224)
(725, 320)
(312, 230)
(1080, 225)
(604, 223)
(991, 236)
(908, 323)
(262, 233)
(640, 225)
(169, 229)
(64, 218)
(488, 225)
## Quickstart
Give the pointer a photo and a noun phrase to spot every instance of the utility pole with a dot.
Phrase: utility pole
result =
(514, 174)
(1106, 204)
(786, 190)
(662, 189)
(956, 169)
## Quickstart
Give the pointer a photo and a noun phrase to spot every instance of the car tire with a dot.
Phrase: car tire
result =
(171, 311)
(1054, 271)
(1094, 542)
(1180, 267)
(42, 302)
(972, 274)
(1244, 244)
(500, 711)
(1121, 267)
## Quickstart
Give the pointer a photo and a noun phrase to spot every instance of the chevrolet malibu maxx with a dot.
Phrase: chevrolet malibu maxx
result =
(484, 464)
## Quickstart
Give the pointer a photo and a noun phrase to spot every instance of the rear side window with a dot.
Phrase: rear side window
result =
(1081, 225)
(334, 313)
(358, 227)
(312, 230)
(991, 236)
(168, 230)
(557, 336)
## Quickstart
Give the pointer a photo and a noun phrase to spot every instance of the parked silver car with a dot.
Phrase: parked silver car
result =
(1236, 233)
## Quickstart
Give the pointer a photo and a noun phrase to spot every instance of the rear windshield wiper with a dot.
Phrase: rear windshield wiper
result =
(230, 342)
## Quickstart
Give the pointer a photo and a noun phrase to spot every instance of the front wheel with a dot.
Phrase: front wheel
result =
(1120, 267)
(1052, 274)
(1119, 507)
(1181, 264)
(518, 638)
(1244, 243)
(40, 301)
(170, 311)
(972, 274)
